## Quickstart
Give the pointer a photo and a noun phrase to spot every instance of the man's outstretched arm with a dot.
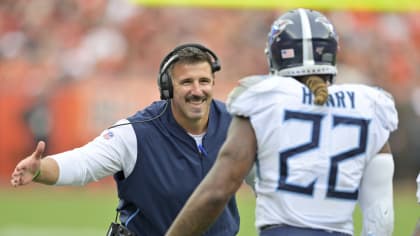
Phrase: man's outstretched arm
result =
(232, 165)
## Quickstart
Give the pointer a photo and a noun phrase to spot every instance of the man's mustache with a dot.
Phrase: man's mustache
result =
(195, 98)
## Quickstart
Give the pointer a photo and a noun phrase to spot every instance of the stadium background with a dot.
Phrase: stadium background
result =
(70, 68)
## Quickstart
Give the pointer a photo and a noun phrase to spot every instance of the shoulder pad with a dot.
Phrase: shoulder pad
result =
(385, 108)
(244, 84)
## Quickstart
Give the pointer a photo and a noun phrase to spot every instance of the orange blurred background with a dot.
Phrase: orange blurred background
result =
(71, 68)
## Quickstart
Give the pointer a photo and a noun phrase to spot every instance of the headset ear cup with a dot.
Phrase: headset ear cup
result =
(215, 67)
(165, 86)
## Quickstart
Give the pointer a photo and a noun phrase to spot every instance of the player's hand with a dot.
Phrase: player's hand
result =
(26, 169)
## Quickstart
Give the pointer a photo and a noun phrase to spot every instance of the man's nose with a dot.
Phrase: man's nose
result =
(196, 88)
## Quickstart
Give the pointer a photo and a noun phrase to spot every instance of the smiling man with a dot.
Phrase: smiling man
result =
(191, 104)
(157, 156)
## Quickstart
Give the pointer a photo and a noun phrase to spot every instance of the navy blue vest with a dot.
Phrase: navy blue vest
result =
(169, 167)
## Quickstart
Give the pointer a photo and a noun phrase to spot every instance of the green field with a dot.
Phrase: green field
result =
(41, 210)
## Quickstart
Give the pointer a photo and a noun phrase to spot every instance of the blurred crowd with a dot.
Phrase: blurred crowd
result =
(46, 44)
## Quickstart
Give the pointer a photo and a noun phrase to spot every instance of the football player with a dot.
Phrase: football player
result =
(319, 148)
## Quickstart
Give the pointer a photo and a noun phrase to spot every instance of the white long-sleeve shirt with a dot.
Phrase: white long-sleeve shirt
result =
(112, 151)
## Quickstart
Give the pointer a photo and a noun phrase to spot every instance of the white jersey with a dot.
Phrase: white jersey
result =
(310, 158)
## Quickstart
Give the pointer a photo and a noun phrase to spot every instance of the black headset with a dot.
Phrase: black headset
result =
(164, 79)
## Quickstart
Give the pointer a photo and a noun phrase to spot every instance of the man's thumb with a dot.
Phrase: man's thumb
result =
(40, 148)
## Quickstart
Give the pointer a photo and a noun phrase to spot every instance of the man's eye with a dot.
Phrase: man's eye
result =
(186, 82)
(204, 81)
